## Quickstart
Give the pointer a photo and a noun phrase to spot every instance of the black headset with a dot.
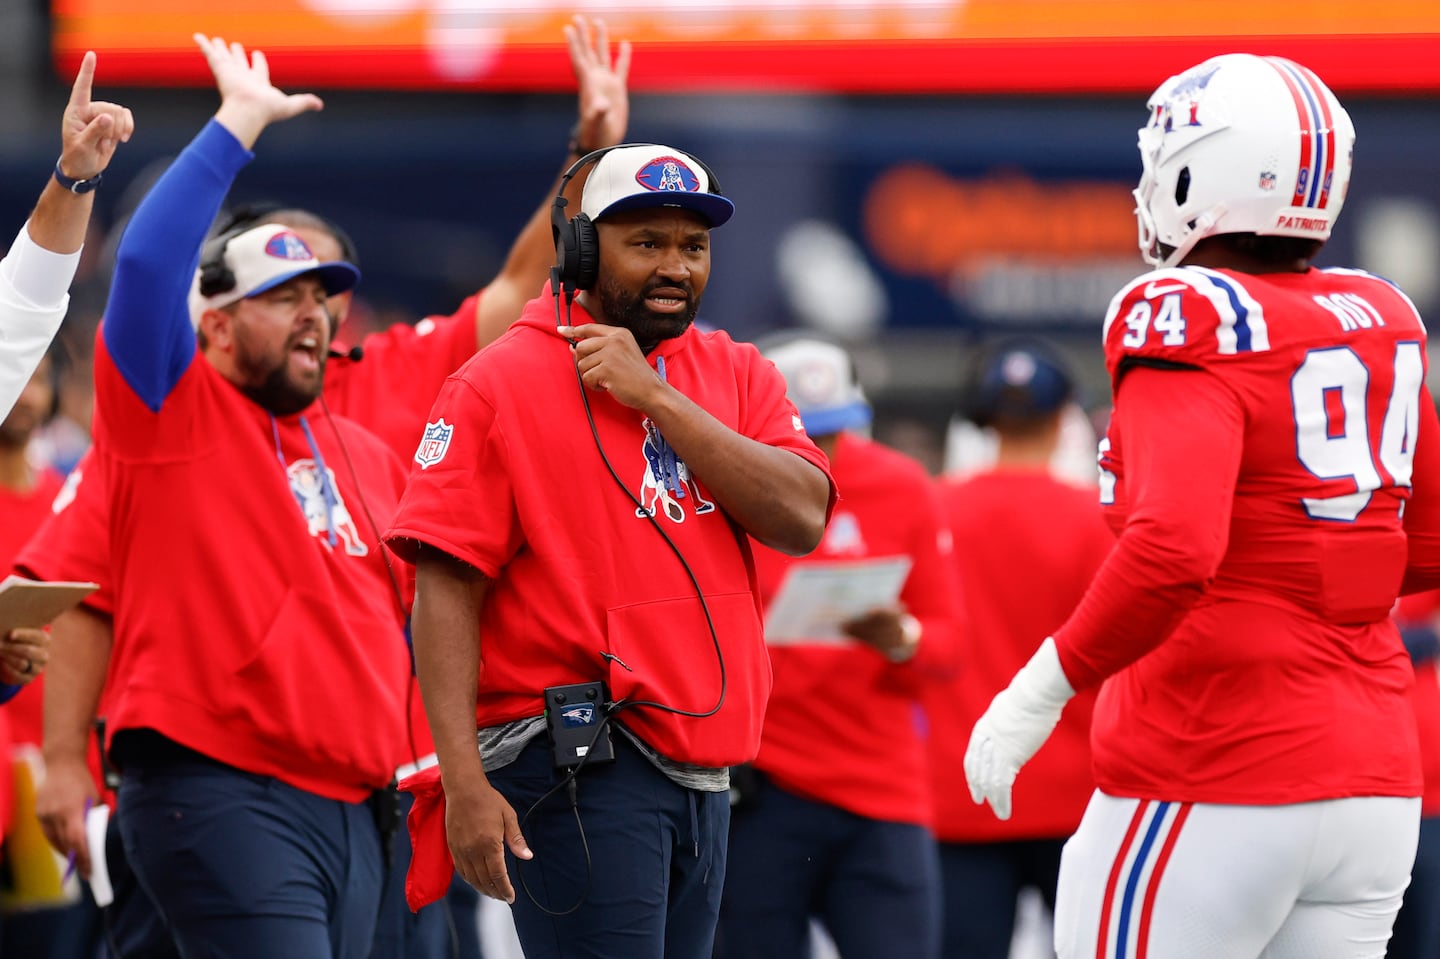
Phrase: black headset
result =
(577, 242)
(216, 276)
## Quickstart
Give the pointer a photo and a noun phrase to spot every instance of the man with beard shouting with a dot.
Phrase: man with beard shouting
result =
(256, 628)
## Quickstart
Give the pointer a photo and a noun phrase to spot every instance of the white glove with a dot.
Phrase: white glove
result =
(1019, 720)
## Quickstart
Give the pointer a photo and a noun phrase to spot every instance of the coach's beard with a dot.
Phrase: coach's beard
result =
(649, 328)
(283, 394)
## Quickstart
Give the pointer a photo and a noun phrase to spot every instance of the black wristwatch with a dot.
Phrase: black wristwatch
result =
(75, 186)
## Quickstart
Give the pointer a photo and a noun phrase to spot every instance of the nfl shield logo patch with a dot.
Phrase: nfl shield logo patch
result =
(434, 444)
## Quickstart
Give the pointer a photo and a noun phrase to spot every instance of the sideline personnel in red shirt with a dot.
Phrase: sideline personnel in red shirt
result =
(1026, 545)
(257, 628)
(835, 820)
(550, 555)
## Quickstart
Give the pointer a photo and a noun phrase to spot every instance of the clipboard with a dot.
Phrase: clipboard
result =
(815, 598)
(28, 602)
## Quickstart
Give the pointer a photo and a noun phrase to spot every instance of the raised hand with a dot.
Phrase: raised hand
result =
(249, 102)
(90, 130)
(604, 97)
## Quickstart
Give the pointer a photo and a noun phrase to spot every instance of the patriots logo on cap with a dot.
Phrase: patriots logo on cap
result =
(668, 174)
(288, 246)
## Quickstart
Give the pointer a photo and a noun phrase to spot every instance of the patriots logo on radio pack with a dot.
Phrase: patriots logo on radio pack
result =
(579, 715)
(434, 444)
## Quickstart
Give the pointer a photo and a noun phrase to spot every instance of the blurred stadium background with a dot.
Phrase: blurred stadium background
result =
(913, 176)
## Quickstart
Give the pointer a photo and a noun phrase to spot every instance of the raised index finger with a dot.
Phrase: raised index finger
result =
(80, 92)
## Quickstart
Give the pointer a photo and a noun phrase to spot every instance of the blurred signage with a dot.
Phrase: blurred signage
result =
(1004, 248)
(1040, 46)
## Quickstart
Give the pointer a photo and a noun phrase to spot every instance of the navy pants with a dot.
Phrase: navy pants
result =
(645, 875)
(242, 865)
(400, 933)
(134, 926)
(981, 882)
(1417, 927)
(873, 884)
(64, 932)
(463, 901)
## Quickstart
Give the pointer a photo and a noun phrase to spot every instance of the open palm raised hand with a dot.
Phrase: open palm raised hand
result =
(248, 100)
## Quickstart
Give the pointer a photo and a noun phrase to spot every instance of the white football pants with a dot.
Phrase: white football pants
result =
(1143, 879)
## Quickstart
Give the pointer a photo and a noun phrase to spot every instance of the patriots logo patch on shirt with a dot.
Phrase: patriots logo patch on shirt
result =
(434, 444)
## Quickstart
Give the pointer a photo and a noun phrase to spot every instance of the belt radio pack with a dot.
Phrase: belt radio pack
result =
(579, 731)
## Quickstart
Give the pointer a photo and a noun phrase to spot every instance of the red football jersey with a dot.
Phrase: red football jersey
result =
(1026, 547)
(1424, 609)
(510, 480)
(843, 725)
(1260, 457)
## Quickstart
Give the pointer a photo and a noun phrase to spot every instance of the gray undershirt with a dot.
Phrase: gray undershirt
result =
(501, 745)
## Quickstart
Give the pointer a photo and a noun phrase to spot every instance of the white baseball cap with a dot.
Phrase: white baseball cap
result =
(820, 380)
(651, 175)
(262, 259)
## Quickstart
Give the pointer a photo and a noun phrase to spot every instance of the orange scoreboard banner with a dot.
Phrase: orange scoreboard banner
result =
(848, 46)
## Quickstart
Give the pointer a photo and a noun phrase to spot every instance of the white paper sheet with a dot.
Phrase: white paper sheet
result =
(816, 597)
(97, 820)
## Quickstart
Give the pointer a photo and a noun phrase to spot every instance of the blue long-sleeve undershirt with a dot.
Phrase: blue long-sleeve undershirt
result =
(147, 319)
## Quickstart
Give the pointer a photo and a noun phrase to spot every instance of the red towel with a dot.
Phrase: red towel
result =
(431, 865)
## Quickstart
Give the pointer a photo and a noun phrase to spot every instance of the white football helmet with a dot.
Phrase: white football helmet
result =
(1241, 144)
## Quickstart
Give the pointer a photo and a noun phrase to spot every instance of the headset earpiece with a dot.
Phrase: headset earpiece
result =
(583, 259)
(577, 246)
(216, 276)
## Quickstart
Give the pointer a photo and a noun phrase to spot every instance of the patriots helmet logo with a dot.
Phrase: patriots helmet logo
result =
(1183, 101)
(434, 444)
(579, 715)
(668, 174)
